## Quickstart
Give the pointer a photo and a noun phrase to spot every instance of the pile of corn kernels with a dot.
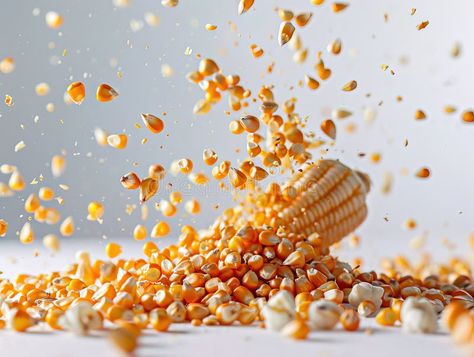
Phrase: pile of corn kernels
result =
(249, 267)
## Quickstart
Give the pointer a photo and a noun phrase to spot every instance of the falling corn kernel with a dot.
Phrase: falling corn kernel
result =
(302, 19)
(113, 250)
(42, 89)
(169, 3)
(339, 6)
(250, 123)
(3, 228)
(95, 211)
(46, 193)
(148, 188)
(176, 197)
(335, 47)
(256, 50)
(202, 107)
(32, 203)
(468, 116)
(152, 19)
(8, 100)
(285, 32)
(237, 178)
(167, 209)
(209, 157)
(130, 181)
(312, 83)
(101, 136)
(27, 235)
(58, 165)
(455, 51)
(420, 115)
(423, 173)
(192, 206)
(244, 6)
(285, 15)
(349, 86)
(185, 166)
(375, 157)
(16, 181)
(329, 128)
(77, 92)
(157, 172)
(207, 67)
(166, 70)
(7, 65)
(410, 224)
(117, 141)
(20, 146)
(105, 93)
(422, 25)
(139, 232)
(67, 227)
(53, 20)
(161, 229)
(210, 27)
(51, 241)
(153, 123)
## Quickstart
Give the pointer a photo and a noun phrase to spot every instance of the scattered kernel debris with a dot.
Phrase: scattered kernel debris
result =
(339, 6)
(8, 100)
(244, 6)
(210, 27)
(422, 25)
(468, 116)
(349, 86)
(20, 146)
(420, 114)
(412, 11)
(423, 173)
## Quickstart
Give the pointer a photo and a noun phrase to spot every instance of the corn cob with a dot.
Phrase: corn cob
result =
(327, 198)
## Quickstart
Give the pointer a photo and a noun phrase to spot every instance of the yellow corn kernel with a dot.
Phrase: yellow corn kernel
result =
(167, 209)
(27, 235)
(52, 215)
(160, 320)
(350, 320)
(153, 123)
(67, 227)
(209, 157)
(101, 136)
(77, 92)
(113, 250)
(250, 123)
(16, 181)
(53, 20)
(329, 128)
(42, 89)
(130, 181)
(338, 6)
(386, 317)
(58, 165)
(95, 211)
(285, 32)
(117, 141)
(140, 232)
(296, 329)
(161, 229)
(3, 228)
(124, 339)
(244, 6)
(51, 241)
(207, 67)
(192, 206)
(32, 203)
(185, 166)
(237, 178)
(7, 65)
(52, 317)
(148, 188)
(20, 321)
(105, 93)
